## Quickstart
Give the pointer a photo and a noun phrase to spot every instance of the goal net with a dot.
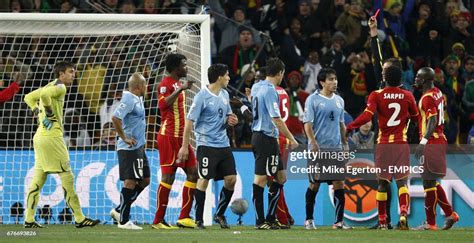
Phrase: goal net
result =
(107, 49)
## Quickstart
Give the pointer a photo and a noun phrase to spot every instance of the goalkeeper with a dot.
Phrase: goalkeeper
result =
(51, 154)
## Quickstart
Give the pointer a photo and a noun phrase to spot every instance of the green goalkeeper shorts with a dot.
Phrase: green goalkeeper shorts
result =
(51, 154)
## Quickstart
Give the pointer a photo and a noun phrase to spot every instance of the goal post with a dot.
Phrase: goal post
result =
(107, 49)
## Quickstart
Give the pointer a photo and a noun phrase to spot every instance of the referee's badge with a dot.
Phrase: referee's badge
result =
(162, 90)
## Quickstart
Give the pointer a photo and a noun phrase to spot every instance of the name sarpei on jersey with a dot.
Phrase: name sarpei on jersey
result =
(392, 96)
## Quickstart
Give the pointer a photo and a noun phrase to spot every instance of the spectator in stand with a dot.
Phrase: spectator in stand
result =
(112, 100)
(272, 19)
(75, 130)
(468, 101)
(15, 6)
(128, 7)
(468, 70)
(168, 7)
(90, 82)
(364, 138)
(107, 137)
(244, 52)
(112, 4)
(294, 47)
(311, 70)
(462, 31)
(453, 75)
(393, 20)
(358, 84)
(459, 50)
(335, 56)
(297, 101)
(67, 7)
(451, 108)
(248, 74)
(312, 25)
(8, 93)
(148, 7)
(353, 24)
(423, 36)
(231, 28)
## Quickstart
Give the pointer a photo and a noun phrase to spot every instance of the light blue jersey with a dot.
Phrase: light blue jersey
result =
(326, 114)
(265, 106)
(132, 113)
(209, 113)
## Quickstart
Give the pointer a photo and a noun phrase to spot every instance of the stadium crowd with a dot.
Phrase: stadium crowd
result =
(306, 34)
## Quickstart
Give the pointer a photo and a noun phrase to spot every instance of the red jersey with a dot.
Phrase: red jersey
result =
(394, 107)
(432, 104)
(172, 117)
(284, 107)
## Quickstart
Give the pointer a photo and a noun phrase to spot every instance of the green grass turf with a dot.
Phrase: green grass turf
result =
(109, 233)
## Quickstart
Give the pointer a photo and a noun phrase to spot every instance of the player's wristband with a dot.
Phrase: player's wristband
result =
(243, 109)
(424, 141)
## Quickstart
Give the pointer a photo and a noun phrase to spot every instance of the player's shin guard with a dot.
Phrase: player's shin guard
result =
(258, 204)
(200, 199)
(310, 199)
(443, 200)
(224, 200)
(126, 196)
(70, 196)
(430, 205)
(162, 195)
(32, 197)
(404, 200)
(188, 193)
(282, 209)
(381, 198)
(273, 197)
(339, 202)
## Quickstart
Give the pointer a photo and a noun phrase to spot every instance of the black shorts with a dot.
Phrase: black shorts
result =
(266, 152)
(133, 164)
(215, 163)
(326, 170)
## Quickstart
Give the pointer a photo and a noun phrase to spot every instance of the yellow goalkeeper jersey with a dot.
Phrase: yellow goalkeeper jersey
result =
(50, 95)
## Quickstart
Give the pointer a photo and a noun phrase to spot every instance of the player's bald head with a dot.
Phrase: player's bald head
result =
(426, 73)
(135, 81)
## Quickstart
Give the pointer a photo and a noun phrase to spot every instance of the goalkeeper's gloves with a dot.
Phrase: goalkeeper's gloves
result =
(49, 120)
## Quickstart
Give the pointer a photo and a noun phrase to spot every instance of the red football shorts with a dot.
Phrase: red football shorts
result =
(393, 161)
(169, 148)
(435, 157)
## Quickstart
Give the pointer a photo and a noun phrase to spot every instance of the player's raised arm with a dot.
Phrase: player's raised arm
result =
(376, 50)
(8, 93)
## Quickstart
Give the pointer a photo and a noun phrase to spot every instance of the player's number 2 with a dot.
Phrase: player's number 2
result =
(393, 119)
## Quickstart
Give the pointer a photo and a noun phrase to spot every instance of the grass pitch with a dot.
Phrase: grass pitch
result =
(110, 233)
